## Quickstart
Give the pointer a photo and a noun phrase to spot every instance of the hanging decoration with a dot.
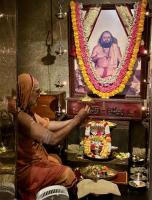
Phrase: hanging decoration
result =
(60, 16)
(114, 84)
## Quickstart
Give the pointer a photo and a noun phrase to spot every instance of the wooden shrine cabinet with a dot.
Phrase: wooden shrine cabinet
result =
(49, 103)
(127, 114)
(127, 108)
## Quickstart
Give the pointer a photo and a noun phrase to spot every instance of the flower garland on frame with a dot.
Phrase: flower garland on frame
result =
(103, 87)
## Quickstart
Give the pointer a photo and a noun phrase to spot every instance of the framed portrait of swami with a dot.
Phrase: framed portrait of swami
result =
(107, 33)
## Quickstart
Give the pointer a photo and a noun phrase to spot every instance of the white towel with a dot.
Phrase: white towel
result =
(88, 186)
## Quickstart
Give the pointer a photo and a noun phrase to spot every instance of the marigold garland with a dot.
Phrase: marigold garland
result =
(105, 90)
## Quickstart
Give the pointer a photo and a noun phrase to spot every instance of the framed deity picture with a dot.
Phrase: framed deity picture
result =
(107, 36)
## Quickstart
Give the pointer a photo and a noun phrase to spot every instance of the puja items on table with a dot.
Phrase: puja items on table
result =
(96, 172)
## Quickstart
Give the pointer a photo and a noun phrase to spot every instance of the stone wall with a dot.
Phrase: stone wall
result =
(34, 22)
(7, 47)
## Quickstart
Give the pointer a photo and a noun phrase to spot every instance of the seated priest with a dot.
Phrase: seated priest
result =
(36, 169)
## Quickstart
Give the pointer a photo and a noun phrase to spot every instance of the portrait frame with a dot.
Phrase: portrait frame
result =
(141, 66)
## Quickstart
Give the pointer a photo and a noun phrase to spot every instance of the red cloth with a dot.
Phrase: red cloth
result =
(36, 177)
(35, 169)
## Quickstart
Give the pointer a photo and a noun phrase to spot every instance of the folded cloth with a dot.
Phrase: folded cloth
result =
(88, 186)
